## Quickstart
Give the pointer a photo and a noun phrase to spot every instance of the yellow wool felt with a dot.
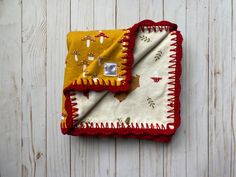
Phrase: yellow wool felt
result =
(93, 54)
(87, 55)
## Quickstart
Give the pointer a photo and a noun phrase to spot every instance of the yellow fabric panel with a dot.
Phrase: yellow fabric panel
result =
(87, 53)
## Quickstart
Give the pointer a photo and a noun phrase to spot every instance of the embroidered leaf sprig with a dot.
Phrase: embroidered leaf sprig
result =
(144, 38)
(158, 55)
(119, 120)
(127, 120)
(151, 102)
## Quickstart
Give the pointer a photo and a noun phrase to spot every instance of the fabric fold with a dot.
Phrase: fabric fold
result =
(148, 107)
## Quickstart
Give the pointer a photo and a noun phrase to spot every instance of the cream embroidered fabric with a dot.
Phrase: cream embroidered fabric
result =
(150, 109)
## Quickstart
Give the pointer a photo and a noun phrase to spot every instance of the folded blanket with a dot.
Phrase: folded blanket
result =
(123, 83)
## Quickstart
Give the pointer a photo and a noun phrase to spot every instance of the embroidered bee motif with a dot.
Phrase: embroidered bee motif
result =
(156, 79)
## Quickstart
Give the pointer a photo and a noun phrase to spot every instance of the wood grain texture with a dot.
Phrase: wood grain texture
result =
(175, 152)
(233, 93)
(151, 153)
(196, 65)
(220, 110)
(58, 146)
(104, 18)
(153, 10)
(32, 55)
(83, 148)
(33, 88)
(10, 88)
(127, 151)
(92, 156)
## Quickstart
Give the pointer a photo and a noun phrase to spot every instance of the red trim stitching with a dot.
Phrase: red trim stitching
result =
(136, 131)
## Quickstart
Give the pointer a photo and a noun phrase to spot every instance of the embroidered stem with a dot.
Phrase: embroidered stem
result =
(151, 102)
(158, 55)
(144, 38)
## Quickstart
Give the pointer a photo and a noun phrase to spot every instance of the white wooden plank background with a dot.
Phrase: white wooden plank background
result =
(32, 56)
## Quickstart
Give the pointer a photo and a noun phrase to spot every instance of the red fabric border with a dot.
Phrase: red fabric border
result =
(162, 135)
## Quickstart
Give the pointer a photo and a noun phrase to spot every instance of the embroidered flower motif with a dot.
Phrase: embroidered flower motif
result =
(158, 55)
(144, 38)
(150, 102)
(156, 79)
(88, 39)
(101, 35)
